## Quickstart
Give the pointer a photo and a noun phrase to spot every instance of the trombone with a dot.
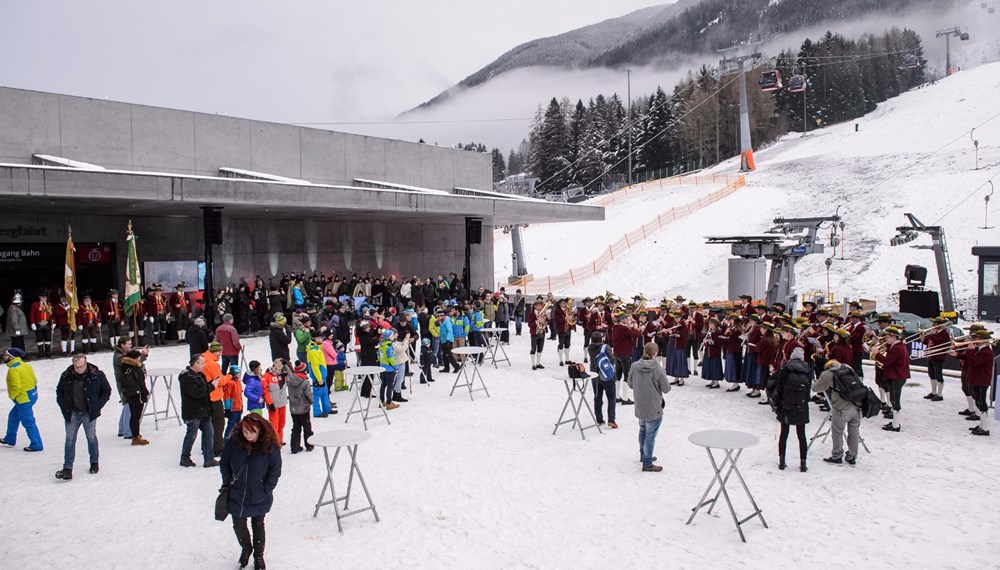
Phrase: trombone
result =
(957, 345)
(921, 332)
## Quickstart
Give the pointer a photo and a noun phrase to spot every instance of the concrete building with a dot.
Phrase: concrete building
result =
(294, 198)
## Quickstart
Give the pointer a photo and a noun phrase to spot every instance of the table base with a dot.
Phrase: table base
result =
(170, 409)
(576, 386)
(718, 478)
(334, 500)
(362, 408)
(470, 380)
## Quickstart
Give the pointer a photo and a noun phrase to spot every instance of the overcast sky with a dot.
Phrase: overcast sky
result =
(294, 61)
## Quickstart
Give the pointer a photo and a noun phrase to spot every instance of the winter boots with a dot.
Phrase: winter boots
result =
(65, 474)
(781, 462)
(94, 468)
(138, 440)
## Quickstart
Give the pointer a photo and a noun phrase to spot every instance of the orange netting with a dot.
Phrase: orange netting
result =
(627, 241)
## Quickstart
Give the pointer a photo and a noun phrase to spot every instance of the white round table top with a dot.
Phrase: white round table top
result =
(340, 438)
(363, 370)
(163, 372)
(723, 439)
(568, 379)
(494, 329)
(469, 350)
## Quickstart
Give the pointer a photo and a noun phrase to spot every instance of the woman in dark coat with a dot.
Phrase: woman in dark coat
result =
(789, 392)
(135, 393)
(260, 303)
(251, 466)
(280, 337)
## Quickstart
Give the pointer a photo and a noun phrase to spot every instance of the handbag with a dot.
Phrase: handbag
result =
(222, 501)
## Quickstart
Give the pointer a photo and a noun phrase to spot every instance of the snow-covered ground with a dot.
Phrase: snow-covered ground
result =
(912, 154)
(485, 484)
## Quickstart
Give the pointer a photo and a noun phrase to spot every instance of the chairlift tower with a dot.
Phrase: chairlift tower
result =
(906, 234)
(947, 34)
(784, 245)
(738, 63)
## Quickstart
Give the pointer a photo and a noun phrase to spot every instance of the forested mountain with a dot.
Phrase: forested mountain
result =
(659, 34)
(696, 124)
(574, 48)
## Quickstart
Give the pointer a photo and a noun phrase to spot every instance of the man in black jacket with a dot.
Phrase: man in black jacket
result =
(196, 411)
(81, 393)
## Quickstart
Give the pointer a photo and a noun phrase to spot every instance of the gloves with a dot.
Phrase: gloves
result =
(17, 333)
(151, 319)
(271, 408)
(79, 327)
(32, 326)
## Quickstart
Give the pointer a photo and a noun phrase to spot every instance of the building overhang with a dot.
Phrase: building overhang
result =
(42, 189)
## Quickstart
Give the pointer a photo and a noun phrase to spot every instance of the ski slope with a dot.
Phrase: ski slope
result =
(912, 154)
(556, 247)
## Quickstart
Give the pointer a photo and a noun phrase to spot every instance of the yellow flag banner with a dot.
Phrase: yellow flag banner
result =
(69, 280)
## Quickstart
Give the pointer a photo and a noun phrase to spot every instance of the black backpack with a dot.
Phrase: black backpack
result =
(872, 406)
(849, 386)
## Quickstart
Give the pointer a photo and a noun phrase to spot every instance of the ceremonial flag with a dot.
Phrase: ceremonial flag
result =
(69, 279)
(133, 282)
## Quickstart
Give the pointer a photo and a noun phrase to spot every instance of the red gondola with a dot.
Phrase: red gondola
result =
(770, 80)
(797, 83)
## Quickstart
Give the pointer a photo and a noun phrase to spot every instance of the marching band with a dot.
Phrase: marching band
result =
(747, 344)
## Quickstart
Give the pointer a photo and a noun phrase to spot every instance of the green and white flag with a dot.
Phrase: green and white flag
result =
(133, 281)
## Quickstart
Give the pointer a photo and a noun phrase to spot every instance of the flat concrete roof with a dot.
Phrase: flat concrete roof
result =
(51, 189)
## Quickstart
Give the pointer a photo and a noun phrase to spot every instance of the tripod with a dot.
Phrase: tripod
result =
(828, 418)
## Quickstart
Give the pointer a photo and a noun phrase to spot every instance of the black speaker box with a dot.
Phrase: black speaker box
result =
(924, 304)
(213, 227)
(474, 231)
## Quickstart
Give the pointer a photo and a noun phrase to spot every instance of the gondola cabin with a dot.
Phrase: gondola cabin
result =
(911, 61)
(797, 83)
(770, 80)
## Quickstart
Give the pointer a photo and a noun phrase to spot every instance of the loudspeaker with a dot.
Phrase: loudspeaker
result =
(924, 304)
(213, 226)
(473, 230)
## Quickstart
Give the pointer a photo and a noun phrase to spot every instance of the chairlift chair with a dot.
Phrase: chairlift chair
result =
(797, 83)
(911, 61)
(770, 80)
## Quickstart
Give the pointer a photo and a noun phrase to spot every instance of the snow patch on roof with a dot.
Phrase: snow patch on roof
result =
(50, 160)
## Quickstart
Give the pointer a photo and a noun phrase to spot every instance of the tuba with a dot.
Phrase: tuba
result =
(570, 312)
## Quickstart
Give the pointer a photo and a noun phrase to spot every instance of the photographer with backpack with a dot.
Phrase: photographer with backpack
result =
(843, 384)
(601, 358)
(788, 392)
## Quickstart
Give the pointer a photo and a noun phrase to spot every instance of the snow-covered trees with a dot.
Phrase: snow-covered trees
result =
(698, 124)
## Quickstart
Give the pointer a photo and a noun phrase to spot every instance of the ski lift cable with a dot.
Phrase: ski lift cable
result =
(663, 130)
(867, 191)
(670, 99)
(963, 200)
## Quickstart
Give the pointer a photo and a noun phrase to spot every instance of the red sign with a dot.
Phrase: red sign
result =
(93, 254)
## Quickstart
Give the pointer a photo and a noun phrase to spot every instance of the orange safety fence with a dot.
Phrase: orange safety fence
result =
(627, 241)
(679, 180)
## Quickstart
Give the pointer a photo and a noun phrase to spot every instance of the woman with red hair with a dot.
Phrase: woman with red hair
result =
(251, 466)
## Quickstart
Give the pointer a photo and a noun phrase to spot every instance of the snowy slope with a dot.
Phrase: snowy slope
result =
(912, 154)
(557, 247)
(485, 485)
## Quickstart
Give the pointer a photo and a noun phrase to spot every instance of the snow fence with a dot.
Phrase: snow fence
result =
(568, 279)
